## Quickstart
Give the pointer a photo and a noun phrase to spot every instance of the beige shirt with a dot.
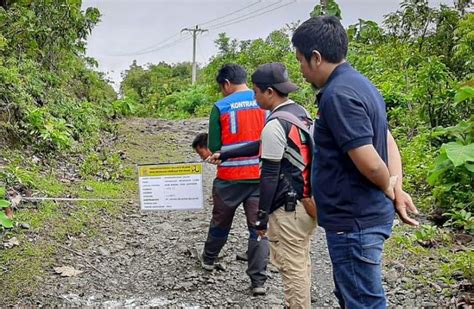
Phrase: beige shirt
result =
(273, 138)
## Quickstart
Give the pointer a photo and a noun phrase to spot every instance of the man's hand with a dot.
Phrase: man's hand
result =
(214, 158)
(261, 224)
(390, 190)
(261, 234)
(403, 202)
(310, 206)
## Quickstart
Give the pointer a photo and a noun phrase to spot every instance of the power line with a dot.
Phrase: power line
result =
(255, 11)
(237, 20)
(158, 46)
(231, 13)
(159, 43)
(145, 50)
(161, 47)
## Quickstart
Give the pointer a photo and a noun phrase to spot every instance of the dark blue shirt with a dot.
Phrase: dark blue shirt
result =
(351, 114)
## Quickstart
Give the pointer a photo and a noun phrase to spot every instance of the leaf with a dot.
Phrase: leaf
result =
(2, 192)
(442, 164)
(4, 204)
(447, 187)
(464, 93)
(440, 131)
(67, 271)
(459, 154)
(469, 167)
(5, 221)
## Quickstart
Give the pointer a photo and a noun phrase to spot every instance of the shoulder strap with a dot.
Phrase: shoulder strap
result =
(290, 118)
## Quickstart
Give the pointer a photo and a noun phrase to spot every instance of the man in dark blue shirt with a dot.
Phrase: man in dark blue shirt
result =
(356, 175)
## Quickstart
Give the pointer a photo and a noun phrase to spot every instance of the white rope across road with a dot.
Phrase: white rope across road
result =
(30, 199)
(18, 198)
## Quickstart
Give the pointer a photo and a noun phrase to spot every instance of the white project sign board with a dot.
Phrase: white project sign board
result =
(171, 186)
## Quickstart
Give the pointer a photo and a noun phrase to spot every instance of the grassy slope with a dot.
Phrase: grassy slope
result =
(51, 223)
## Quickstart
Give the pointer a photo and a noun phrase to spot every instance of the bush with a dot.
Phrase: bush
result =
(185, 103)
(452, 175)
(50, 97)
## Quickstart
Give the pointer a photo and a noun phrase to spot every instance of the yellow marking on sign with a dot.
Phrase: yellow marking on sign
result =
(170, 170)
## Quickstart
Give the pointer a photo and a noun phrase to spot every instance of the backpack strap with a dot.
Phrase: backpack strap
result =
(290, 118)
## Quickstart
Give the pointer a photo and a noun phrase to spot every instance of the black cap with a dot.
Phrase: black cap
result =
(275, 75)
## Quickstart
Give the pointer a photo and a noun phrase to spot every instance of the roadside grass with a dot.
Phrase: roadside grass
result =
(434, 258)
(24, 267)
(52, 223)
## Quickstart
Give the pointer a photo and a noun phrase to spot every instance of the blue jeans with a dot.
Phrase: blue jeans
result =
(356, 260)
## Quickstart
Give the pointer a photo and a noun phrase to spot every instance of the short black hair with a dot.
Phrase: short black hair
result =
(265, 87)
(324, 34)
(232, 72)
(200, 141)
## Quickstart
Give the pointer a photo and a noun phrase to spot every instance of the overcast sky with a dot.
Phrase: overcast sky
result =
(149, 30)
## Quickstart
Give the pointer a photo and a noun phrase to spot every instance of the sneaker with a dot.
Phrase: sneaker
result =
(204, 265)
(242, 256)
(259, 291)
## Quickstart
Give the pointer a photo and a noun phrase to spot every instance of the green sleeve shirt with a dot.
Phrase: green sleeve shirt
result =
(214, 138)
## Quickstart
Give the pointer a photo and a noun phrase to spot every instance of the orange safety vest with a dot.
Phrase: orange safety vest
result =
(242, 121)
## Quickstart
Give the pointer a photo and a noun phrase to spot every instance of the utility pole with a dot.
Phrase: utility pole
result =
(194, 31)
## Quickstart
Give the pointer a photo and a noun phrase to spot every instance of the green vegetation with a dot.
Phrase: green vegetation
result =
(5, 222)
(439, 246)
(50, 98)
(55, 108)
(53, 105)
(51, 223)
(164, 91)
(452, 175)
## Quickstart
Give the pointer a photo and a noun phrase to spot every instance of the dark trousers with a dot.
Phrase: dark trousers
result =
(227, 197)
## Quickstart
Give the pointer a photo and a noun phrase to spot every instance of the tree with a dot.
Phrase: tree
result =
(49, 92)
(225, 45)
(462, 6)
(327, 7)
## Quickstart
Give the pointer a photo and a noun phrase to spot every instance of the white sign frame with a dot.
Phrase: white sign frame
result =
(171, 186)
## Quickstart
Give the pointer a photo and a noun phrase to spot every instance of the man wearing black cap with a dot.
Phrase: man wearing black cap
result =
(285, 207)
